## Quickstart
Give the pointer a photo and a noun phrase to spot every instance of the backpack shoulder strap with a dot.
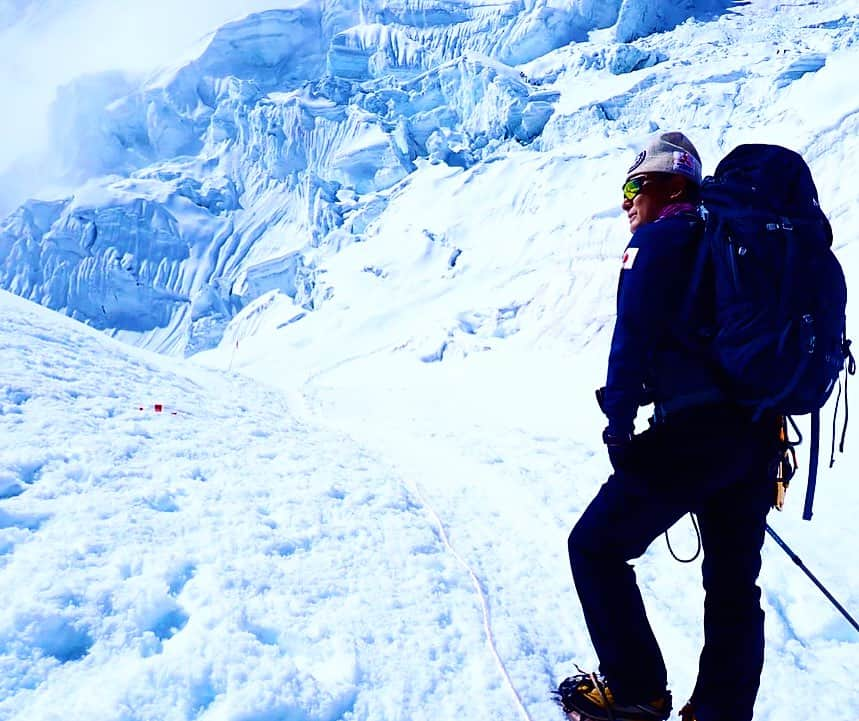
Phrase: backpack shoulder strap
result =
(697, 273)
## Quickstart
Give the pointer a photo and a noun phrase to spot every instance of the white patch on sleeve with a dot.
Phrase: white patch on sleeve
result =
(629, 258)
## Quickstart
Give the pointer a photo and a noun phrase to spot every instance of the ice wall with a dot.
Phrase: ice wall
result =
(225, 176)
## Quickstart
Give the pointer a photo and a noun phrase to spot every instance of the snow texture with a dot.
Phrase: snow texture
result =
(388, 232)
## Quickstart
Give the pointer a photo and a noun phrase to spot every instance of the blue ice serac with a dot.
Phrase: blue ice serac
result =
(213, 181)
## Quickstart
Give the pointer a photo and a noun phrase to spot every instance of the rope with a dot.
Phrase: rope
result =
(834, 425)
(697, 535)
(475, 581)
(487, 624)
(851, 371)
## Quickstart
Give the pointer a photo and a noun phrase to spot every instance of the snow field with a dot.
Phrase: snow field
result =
(511, 458)
(226, 562)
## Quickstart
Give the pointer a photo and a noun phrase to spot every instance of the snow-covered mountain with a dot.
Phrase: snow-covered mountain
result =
(403, 218)
(279, 138)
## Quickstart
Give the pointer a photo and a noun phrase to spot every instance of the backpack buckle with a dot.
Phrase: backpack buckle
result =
(784, 224)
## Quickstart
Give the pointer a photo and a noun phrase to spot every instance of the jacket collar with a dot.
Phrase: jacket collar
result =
(669, 211)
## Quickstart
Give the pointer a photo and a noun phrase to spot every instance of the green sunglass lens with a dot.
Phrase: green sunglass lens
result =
(632, 187)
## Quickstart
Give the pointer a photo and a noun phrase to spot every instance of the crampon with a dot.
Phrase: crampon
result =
(586, 697)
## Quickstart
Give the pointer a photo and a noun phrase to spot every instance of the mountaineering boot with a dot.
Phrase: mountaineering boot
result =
(585, 697)
(687, 713)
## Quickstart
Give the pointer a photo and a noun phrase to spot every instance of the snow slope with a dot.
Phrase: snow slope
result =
(416, 255)
(222, 559)
(238, 556)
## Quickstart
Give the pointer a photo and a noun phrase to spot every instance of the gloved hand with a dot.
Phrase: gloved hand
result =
(600, 394)
(619, 446)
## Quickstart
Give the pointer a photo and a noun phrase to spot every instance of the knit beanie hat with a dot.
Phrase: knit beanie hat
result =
(668, 153)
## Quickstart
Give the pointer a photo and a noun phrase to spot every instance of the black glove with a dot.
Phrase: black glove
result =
(600, 394)
(619, 446)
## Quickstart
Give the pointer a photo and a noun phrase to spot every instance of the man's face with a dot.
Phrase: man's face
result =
(649, 199)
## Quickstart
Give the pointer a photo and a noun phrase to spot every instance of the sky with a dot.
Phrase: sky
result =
(51, 42)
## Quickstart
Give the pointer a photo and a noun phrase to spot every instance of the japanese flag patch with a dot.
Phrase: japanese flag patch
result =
(629, 258)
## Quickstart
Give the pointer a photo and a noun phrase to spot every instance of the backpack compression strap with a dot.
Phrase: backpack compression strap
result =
(814, 453)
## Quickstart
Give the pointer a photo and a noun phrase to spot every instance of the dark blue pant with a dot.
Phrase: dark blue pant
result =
(715, 464)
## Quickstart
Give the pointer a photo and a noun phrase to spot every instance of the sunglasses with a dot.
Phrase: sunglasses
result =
(634, 186)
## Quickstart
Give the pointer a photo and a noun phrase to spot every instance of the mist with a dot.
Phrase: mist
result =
(46, 44)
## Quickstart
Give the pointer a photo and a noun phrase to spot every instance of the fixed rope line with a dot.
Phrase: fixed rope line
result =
(484, 603)
(415, 490)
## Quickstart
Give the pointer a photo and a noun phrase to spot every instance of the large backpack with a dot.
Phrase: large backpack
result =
(779, 336)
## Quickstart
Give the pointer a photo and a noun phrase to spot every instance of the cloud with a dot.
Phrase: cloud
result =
(47, 44)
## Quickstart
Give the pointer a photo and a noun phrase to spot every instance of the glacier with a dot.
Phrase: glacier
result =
(189, 184)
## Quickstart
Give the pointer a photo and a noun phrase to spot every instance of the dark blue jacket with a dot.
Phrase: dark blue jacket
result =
(656, 350)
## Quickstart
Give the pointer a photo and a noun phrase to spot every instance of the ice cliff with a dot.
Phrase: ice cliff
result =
(280, 137)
